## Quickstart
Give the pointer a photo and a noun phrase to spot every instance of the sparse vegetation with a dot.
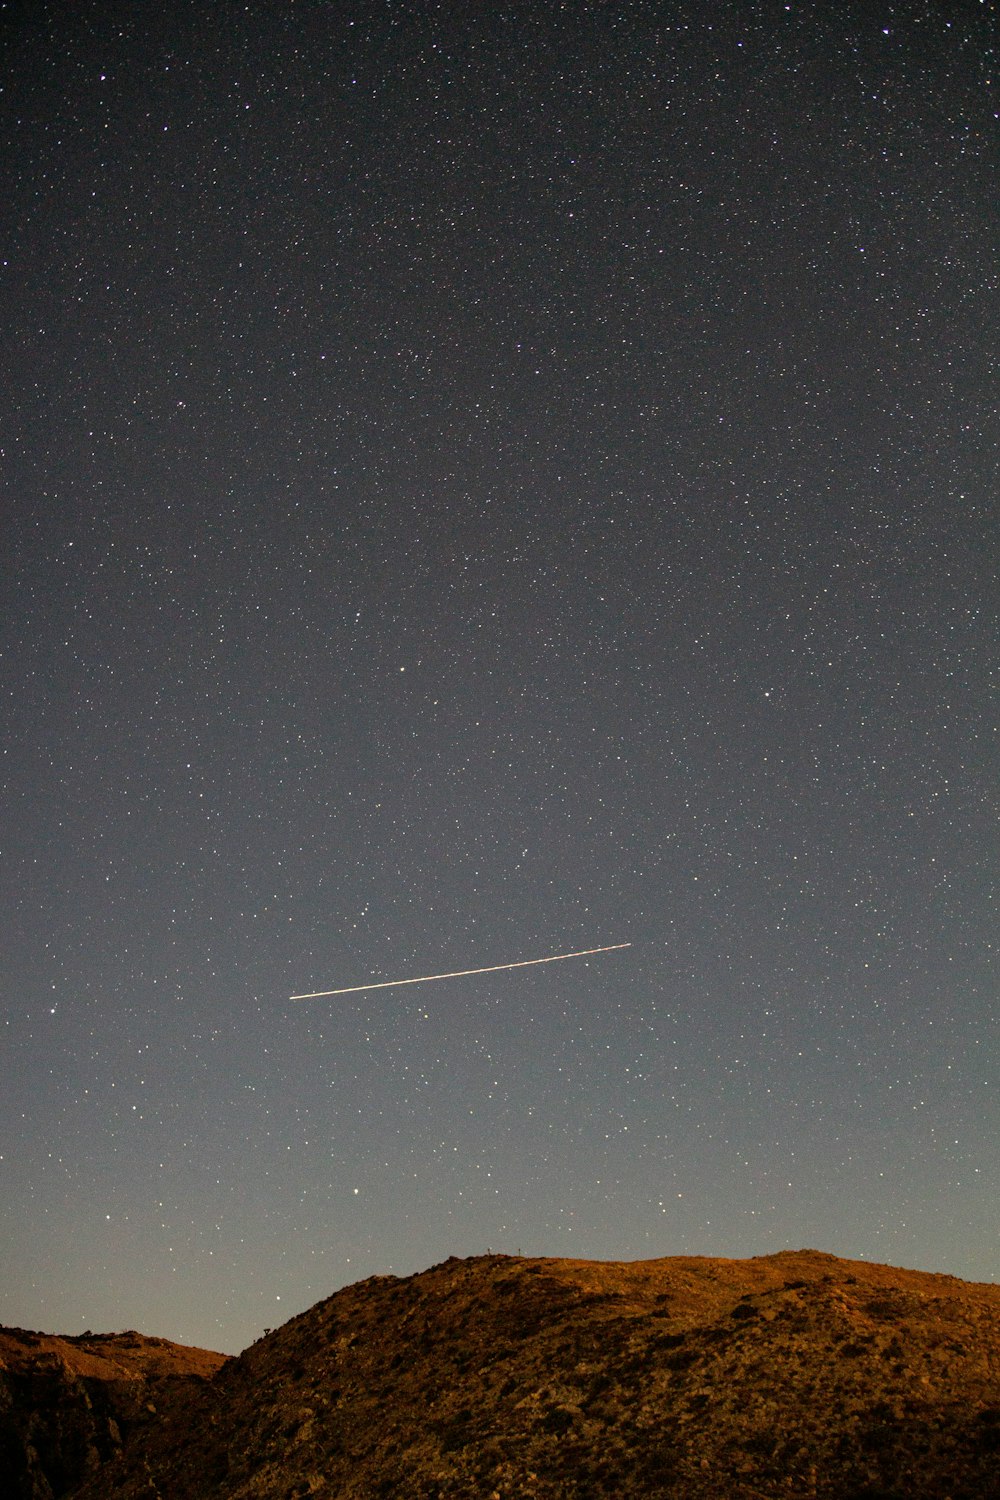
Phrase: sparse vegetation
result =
(791, 1375)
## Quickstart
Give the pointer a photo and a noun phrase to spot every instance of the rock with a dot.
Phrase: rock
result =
(573, 1380)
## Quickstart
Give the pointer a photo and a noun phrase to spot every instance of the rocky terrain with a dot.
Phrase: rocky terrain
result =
(795, 1374)
(67, 1405)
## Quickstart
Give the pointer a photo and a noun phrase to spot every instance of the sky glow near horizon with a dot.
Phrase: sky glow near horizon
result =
(474, 483)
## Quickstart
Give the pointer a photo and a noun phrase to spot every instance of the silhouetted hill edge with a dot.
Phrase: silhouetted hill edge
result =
(792, 1374)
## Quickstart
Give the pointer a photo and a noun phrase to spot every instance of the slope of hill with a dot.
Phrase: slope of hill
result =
(67, 1404)
(796, 1374)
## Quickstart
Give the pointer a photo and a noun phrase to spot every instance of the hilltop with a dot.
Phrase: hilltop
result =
(67, 1405)
(791, 1374)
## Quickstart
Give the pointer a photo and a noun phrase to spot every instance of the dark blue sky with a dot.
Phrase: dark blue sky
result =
(478, 486)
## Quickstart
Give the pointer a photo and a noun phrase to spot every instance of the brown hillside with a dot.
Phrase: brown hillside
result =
(68, 1404)
(795, 1374)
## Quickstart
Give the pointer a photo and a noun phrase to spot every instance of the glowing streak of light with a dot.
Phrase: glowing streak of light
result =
(524, 963)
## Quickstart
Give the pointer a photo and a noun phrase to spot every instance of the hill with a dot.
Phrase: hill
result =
(792, 1374)
(68, 1404)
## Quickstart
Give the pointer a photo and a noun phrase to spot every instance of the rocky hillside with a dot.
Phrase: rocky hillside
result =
(68, 1404)
(791, 1375)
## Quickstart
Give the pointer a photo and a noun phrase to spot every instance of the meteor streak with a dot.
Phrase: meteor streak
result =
(524, 963)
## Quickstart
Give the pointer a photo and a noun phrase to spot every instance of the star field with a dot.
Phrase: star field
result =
(481, 483)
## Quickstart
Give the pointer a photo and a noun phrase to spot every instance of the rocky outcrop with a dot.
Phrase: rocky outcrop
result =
(796, 1374)
(67, 1405)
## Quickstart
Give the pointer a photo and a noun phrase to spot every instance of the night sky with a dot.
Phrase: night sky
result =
(480, 483)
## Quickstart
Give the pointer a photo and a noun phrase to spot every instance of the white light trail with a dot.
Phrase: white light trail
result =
(524, 963)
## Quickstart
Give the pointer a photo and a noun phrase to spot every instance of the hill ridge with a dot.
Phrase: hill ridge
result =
(499, 1376)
